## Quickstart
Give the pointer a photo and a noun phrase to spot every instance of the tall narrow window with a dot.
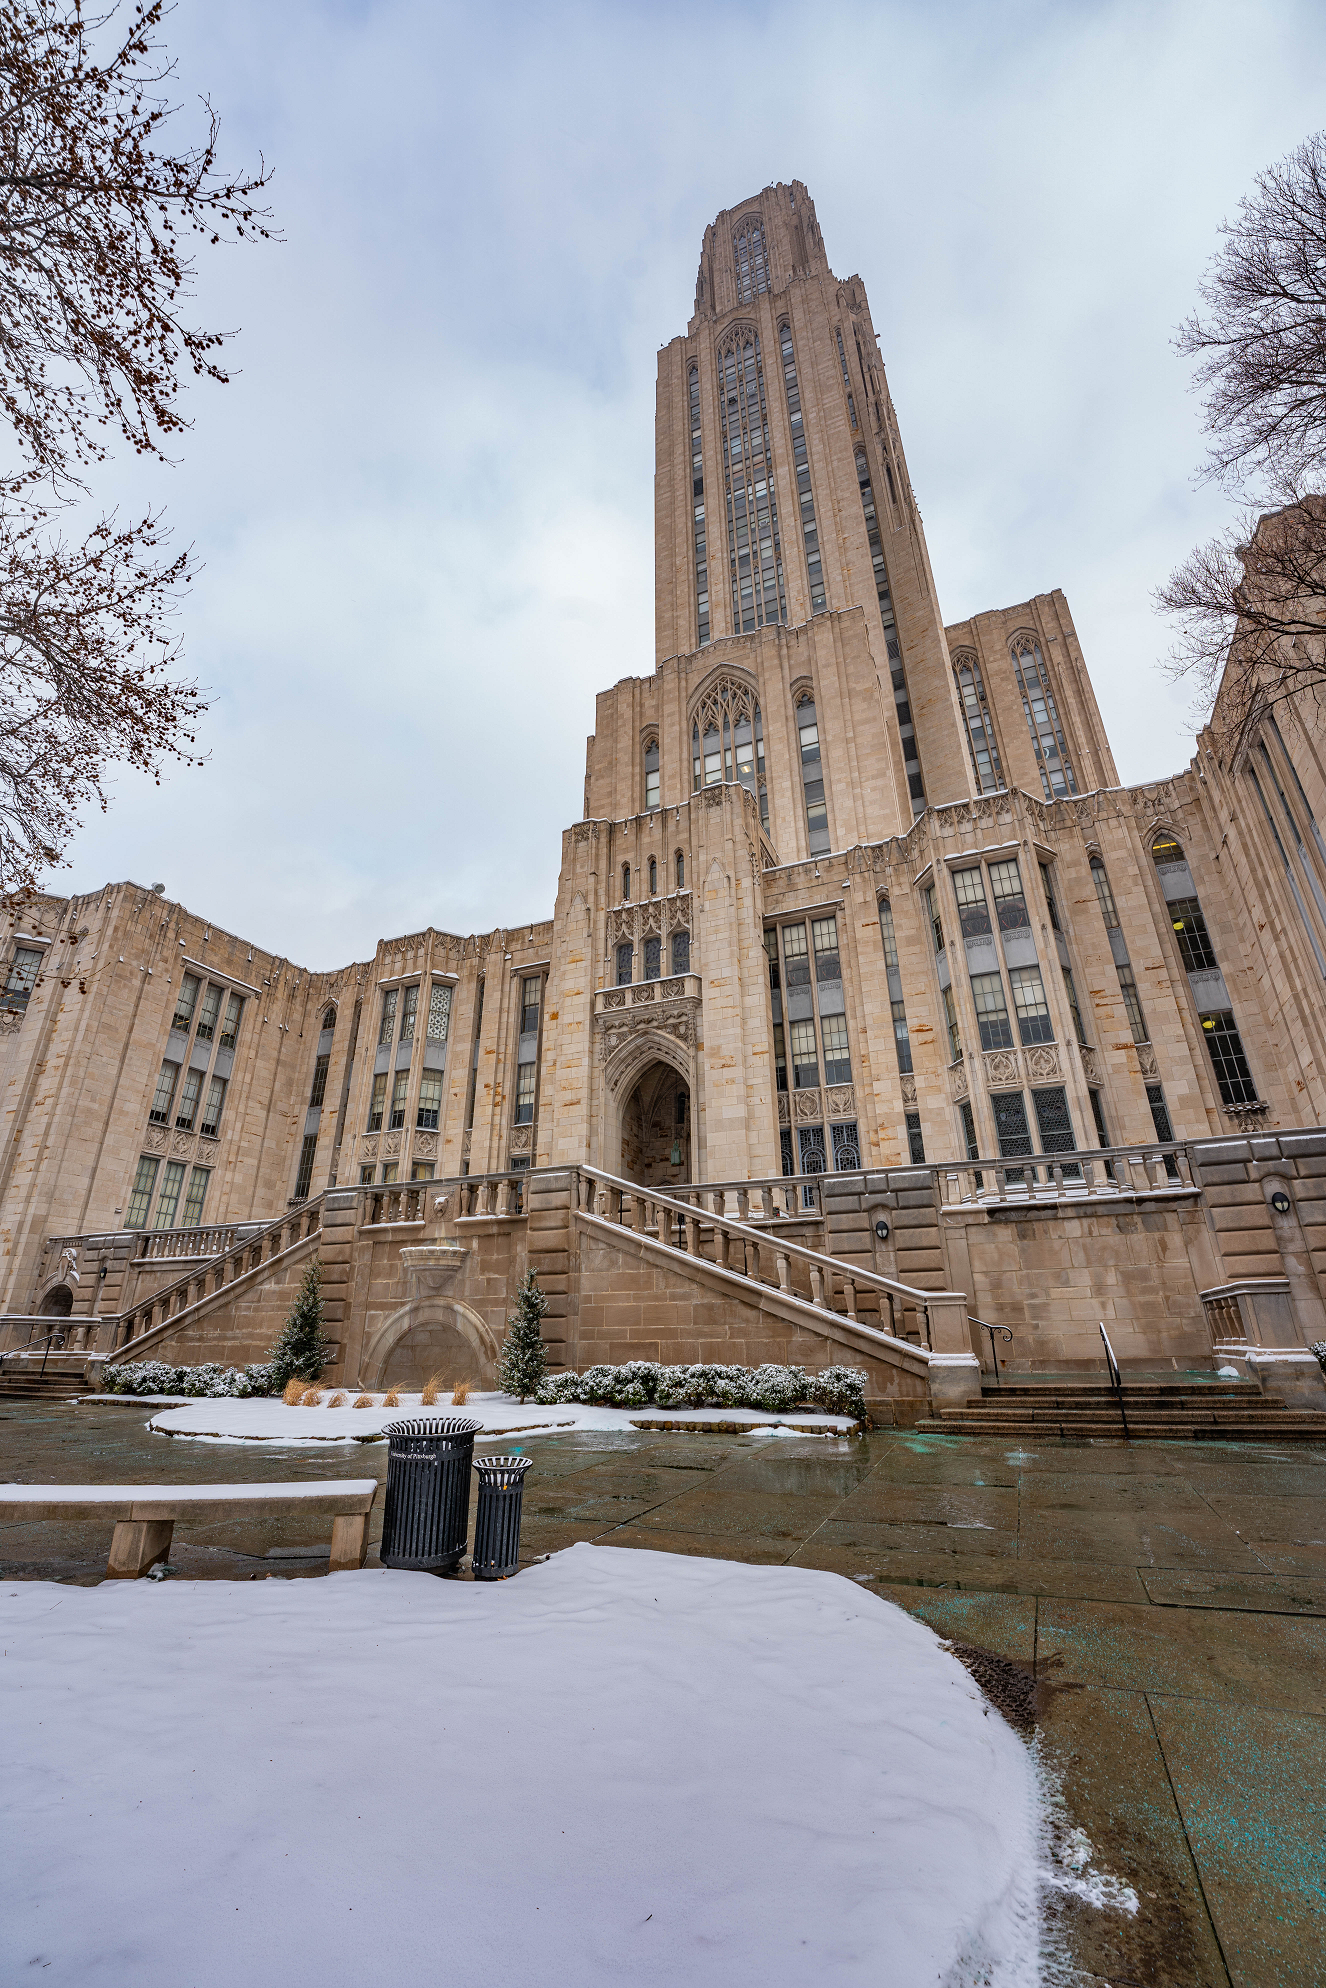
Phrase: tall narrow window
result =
(1160, 1118)
(230, 1026)
(936, 922)
(208, 1013)
(318, 1088)
(752, 263)
(626, 883)
(624, 955)
(1047, 734)
(847, 380)
(991, 1011)
(1132, 1004)
(1006, 889)
(1228, 1060)
(378, 1102)
(1054, 1125)
(1307, 805)
(653, 876)
(305, 1174)
(188, 994)
(902, 1040)
(887, 935)
(1194, 941)
(1047, 885)
(915, 1143)
(172, 1180)
(210, 1123)
(812, 778)
(837, 1057)
(1030, 1005)
(140, 1195)
(1070, 992)
(387, 1027)
(681, 952)
(697, 502)
(780, 1063)
(951, 1024)
(525, 1078)
(796, 958)
(727, 743)
(755, 549)
(824, 938)
(906, 728)
(969, 1139)
(189, 1089)
(1011, 1127)
(439, 1012)
(681, 871)
(805, 1064)
(801, 466)
(1105, 896)
(430, 1101)
(980, 726)
(973, 910)
(653, 958)
(22, 977)
(329, 1021)
(651, 774)
(846, 1148)
(409, 1009)
(193, 1206)
(531, 991)
(398, 1090)
(164, 1094)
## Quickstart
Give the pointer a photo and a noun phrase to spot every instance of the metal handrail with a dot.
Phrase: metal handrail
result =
(992, 1329)
(1116, 1378)
(60, 1332)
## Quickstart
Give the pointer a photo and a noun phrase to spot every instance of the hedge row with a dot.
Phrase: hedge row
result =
(155, 1377)
(644, 1383)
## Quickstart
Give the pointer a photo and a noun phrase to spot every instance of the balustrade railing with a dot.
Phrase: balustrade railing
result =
(155, 1244)
(491, 1194)
(250, 1253)
(710, 1235)
(1099, 1172)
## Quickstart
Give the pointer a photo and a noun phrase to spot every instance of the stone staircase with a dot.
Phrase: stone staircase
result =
(1160, 1410)
(62, 1381)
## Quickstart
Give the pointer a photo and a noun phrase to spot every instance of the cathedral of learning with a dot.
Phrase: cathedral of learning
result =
(872, 1009)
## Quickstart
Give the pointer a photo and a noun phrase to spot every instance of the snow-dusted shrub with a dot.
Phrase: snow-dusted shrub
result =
(156, 1377)
(641, 1383)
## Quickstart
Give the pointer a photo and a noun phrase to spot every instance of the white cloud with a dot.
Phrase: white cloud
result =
(425, 504)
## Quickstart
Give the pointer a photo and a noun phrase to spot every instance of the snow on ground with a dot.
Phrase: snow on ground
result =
(621, 1767)
(263, 1420)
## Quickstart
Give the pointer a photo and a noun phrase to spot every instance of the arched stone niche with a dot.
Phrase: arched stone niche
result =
(430, 1335)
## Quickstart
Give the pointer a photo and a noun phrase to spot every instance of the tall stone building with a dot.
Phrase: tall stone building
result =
(853, 891)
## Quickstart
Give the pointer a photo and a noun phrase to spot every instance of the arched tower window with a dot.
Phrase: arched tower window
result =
(727, 741)
(801, 464)
(1223, 1041)
(626, 883)
(755, 552)
(329, 1018)
(752, 262)
(980, 730)
(681, 871)
(697, 499)
(1047, 734)
(812, 777)
(651, 773)
(653, 876)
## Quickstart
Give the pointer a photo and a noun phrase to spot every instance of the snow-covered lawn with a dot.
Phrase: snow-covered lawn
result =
(259, 1419)
(622, 1767)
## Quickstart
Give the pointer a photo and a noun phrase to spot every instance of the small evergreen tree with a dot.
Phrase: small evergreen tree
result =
(523, 1361)
(301, 1351)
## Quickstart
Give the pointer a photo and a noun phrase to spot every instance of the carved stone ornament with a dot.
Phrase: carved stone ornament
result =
(582, 831)
(840, 1101)
(391, 1146)
(155, 1141)
(369, 1149)
(1146, 1060)
(425, 1146)
(1042, 1062)
(521, 1138)
(10, 1022)
(908, 1090)
(182, 1145)
(1002, 1070)
(1247, 1115)
(614, 1034)
(1090, 1063)
(784, 1108)
(466, 1137)
(615, 997)
(957, 1081)
(806, 1106)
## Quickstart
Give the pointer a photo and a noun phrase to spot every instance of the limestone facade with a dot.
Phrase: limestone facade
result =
(853, 891)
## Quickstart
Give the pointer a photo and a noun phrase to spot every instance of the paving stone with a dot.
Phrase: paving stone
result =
(1005, 1624)
(1282, 1594)
(1229, 1656)
(1155, 1538)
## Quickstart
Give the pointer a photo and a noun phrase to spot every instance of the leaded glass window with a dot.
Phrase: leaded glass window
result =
(140, 1195)
(811, 1139)
(164, 1094)
(1047, 734)
(193, 1083)
(211, 1118)
(1132, 1004)
(625, 953)
(681, 952)
(801, 467)
(727, 743)
(1011, 1128)
(430, 1101)
(1105, 896)
(193, 1206)
(230, 1027)
(525, 1079)
(951, 1023)
(837, 1058)
(378, 1102)
(902, 1040)
(531, 989)
(22, 976)
(973, 911)
(824, 937)
(1074, 1010)
(172, 1180)
(653, 958)
(886, 934)
(208, 1013)
(1030, 1004)
(318, 1088)
(409, 1009)
(936, 922)
(1228, 1060)
(305, 1174)
(812, 778)
(387, 1027)
(1160, 1118)
(188, 994)
(796, 958)
(439, 1012)
(1054, 1122)
(755, 550)
(1195, 948)
(752, 262)
(915, 1142)
(1006, 889)
(697, 500)
(805, 1063)
(991, 1011)
(846, 1148)
(398, 1090)
(980, 726)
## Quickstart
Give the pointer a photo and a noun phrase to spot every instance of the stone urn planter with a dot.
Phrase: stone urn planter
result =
(431, 1269)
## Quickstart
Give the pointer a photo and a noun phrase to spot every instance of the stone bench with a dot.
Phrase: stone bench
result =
(144, 1515)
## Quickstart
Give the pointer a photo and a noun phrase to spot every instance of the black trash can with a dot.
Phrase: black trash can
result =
(496, 1553)
(427, 1509)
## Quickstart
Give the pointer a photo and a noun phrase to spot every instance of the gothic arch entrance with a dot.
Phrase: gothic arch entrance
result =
(656, 1128)
(58, 1302)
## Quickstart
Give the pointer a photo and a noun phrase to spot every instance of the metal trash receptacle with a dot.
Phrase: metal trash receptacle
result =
(496, 1552)
(426, 1513)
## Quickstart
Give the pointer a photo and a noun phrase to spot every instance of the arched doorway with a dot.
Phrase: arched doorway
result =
(58, 1302)
(656, 1129)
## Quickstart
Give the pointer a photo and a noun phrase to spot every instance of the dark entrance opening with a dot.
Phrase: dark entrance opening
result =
(656, 1129)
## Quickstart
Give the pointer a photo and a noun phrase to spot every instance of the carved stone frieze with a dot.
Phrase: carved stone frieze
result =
(182, 1145)
(840, 1101)
(391, 1146)
(10, 1022)
(1002, 1069)
(1090, 1063)
(806, 1107)
(425, 1146)
(368, 1149)
(615, 998)
(1247, 1115)
(957, 1081)
(465, 1140)
(521, 1138)
(908, 1090)
(784, 1108)
(642, 993)
(155, 1140)
(616, 1033)
(1042, 1059)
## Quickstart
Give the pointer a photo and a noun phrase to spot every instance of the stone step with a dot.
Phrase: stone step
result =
(1289, 1427)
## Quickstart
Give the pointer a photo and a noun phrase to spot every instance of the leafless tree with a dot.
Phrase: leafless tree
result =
(1252, 601)
(96, 218)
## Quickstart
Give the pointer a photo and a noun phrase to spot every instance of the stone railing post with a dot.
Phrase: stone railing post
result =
(340, 1209)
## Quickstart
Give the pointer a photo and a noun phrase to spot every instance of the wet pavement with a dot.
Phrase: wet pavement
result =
(1169, 1600)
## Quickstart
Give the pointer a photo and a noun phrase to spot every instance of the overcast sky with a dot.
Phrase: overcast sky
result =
(424, 506)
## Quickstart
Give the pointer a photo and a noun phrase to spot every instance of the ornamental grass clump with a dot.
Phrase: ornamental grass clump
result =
(337, 1400)
(363, 1401)
(391, 1399)
(460, 1394)
(432, 1388)
(293, 1393)
(312, 1397)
